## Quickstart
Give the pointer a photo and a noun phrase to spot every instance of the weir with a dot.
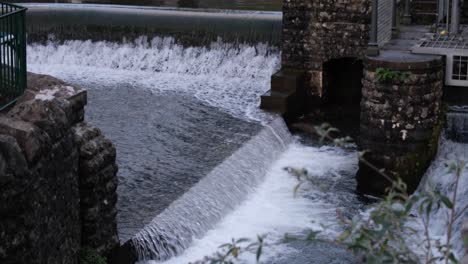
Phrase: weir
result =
(219, 192)
(166, 139)
(438, 178)
(117, 23)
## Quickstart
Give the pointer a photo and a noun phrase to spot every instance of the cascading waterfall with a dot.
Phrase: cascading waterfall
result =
(199, 209)
(457, 126)
(231, 77)
(453, 147)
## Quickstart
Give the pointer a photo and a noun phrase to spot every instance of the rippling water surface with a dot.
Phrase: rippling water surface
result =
(176, 114)
(173, 113)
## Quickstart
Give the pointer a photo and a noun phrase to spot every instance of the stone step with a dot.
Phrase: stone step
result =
(278, 102)
(286, 81)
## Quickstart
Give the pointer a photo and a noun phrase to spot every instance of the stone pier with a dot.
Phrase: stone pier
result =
(401, 118)
(395, 97)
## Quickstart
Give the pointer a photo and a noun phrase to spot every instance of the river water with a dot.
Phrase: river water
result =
(177, 114)
(200, 163)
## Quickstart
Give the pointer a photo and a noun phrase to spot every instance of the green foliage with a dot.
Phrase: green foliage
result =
(230, 252)
(387, 75)
(90, 256)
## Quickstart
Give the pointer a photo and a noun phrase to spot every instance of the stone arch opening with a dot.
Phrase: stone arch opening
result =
(342, 82)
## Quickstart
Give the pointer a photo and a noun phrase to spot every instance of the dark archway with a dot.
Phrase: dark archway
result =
(342, 92)
(342, 82)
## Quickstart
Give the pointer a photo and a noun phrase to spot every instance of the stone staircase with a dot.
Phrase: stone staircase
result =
(424, 12)
(286, 93)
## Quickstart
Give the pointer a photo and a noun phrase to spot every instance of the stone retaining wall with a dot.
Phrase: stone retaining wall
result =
(57, 182)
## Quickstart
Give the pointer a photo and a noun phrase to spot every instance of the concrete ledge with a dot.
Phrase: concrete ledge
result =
(111, 23)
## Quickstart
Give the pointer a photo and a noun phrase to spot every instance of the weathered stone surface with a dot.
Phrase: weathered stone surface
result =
(400, 119)
(98, 185)
(38, 204)
(57, 189)
(32, 140)
(316, 31)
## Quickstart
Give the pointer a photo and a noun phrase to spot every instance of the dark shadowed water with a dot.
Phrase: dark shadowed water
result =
(271, 5)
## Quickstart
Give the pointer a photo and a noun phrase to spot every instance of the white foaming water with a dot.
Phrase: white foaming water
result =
(200, 208)
(439, 178)
(227, 76)
(271, 209)
(231, 78)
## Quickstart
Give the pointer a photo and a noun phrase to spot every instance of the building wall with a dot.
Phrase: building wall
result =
(316, 31)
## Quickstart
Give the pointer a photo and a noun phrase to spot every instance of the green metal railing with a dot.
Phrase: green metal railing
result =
(12, 53)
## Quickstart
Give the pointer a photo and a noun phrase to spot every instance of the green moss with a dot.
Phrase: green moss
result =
(91, 256)
(385, 75)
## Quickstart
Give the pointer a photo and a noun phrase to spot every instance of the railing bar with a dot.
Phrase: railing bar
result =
(12, 56)
(2, 51)
(12, 13)
(8, 63)
(23, 47)
(13, 70)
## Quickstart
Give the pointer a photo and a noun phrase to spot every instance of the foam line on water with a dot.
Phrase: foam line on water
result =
(272, 209)
(229, 77)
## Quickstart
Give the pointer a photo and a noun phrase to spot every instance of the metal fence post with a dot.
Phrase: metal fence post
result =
(13, 79)
(455, 23)
(407, 13)
(394, 19)
(373, 47)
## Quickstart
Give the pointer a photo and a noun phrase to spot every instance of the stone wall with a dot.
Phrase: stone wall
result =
(316, 31)
(57, 191)
(401, 118)
(98, 185)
